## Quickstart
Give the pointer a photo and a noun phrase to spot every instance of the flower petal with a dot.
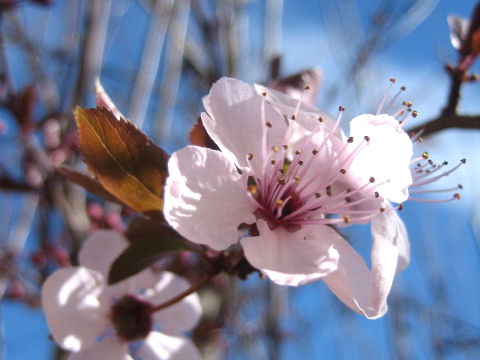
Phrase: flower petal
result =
(387, 156)
(388, 226)
(74, 314)
(107, 349)
(235, 122)
(362, 290)
(205, 197)
(307, 115)
(292, 258)
(182, 316)
(158, 346)
(100, 250)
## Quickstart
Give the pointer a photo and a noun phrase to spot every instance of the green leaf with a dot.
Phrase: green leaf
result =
(123, 159)
(150, 240)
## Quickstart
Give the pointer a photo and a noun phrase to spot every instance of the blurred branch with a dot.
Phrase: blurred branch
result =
(152, 52)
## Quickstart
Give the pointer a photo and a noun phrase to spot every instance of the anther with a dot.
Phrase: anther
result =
(297, 178)
(282, 181)
(400, 207)
(403, 88)
(460, 186)
(328, 188)
(382, 209)
(350, 140)
(264, 93)
(279, 203)
(314, 152)
(377, 194)
(414, 113)
(393, 80)
(285, 147)
(430, 161)
(343, 171)
(372, 179)
(249, 156)
(348, 200)
(297, 152)
(445, 163)
(307, 87)
(274, 148)
(273, 162)
(463, 161)
(425, 155)
(420, 139)
(300, 163)
(317, 195)
(252, 189)
(293, 117)
(346, 218)
(366, 138)
(269, 124)
(457, 196)
(321, 119)
(341, 108)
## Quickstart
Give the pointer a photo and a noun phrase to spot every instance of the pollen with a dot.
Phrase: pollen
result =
(274, 148)
(457, 196)
(346, 218)
(252, 189)
(279, 203)
(425, 155)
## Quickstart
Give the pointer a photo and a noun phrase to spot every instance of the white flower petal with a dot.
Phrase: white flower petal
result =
(362, 290)
(292, 258)
(74, 314)
(235, 123)
(110, 348)
(158, 346)
(100, 250)
(386, 157)
(182, 316)
(388, 226)
(205, 197)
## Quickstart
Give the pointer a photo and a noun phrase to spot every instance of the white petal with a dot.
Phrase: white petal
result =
(158, 346)
(362, 290)
(74, 313)
(235, 123)
(386, 157)
(205, 197)
(182, 316)
(388, 226)
(307, 115)
(100, 250)
(107, 349)
(292, 258)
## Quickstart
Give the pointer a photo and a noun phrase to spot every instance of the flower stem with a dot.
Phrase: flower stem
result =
(203, 280)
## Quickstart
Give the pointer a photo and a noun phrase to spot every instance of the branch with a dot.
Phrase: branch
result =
(446, 122)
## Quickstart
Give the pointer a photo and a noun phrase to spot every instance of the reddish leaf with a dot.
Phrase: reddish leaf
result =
(199, 136)
(124, 160)
(87, 182)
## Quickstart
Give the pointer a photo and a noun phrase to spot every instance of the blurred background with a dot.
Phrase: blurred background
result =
(156, 59)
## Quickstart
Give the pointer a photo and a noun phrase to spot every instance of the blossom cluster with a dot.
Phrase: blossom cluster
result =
(282, 182)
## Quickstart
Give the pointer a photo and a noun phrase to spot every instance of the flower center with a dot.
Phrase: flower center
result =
(131, 318)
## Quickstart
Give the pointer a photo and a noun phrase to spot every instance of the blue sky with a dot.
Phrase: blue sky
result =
(442, 284)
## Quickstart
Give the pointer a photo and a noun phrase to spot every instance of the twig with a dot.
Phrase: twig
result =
(448, 121)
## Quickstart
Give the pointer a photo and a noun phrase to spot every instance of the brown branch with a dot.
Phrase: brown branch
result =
(446, 122)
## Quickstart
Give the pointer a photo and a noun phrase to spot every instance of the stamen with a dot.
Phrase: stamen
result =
(385, 97)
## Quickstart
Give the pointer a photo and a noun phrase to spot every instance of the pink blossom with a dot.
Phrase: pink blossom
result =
(82, 310)
(288, 176)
